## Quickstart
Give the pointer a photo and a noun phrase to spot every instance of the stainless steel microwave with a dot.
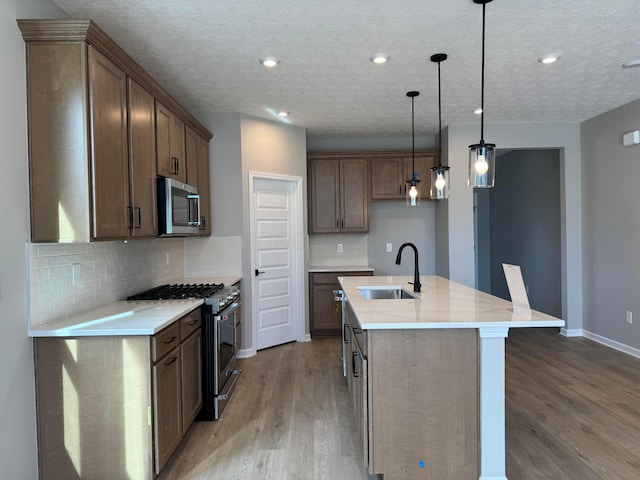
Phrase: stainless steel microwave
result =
(178, 208)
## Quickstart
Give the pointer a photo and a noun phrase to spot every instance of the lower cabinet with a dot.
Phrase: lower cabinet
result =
(116, 406)
(415, 399)
(166, 401)
(325, 312)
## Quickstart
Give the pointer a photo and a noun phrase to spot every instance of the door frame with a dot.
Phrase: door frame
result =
(297, 253)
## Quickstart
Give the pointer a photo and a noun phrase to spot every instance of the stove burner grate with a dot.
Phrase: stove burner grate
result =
(178, 292)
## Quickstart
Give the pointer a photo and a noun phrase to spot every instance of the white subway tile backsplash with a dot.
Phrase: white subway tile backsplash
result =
(213, 256)
(105, 272)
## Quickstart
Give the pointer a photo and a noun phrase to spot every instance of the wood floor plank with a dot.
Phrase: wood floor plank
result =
(573, 413)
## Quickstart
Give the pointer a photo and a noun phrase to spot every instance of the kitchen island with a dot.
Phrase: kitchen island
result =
(427, 373)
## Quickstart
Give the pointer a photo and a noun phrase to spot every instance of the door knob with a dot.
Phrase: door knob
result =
(258, 272)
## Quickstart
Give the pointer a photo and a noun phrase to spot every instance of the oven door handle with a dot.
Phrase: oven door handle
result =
(224, 314)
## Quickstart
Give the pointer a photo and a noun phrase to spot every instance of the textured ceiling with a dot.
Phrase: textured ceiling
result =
(205, 53)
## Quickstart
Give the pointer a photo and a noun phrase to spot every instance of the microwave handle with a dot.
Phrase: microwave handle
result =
(194, 219)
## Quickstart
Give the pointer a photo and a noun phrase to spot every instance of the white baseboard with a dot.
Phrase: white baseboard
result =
(621, 347)
(245, 353)
(571, 332)
(307, 337)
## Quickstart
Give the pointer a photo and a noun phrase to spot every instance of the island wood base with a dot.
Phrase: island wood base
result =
(423, 410)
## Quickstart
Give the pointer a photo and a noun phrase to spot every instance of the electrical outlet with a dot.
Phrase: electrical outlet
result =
(629, 317)
(389, 247)
(340, 249)
(75, 273)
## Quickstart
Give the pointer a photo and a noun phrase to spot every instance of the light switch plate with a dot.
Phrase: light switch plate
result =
(340, 249)
(389, 247)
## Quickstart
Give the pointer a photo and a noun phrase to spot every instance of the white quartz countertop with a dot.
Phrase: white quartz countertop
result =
(340, 268)
(142, 317)
(441, 304)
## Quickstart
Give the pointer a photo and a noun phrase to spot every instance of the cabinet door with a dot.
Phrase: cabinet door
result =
(177, 140)
(191, 156)
(361, 402)
(165, 163)
(142, 161)
(204, 186)
(109, 159)
(423, 166)
(170, 146)
(354, 196)
(166, 403)
(387, 178)
(326, 315)
(324, 188)
(191, 364)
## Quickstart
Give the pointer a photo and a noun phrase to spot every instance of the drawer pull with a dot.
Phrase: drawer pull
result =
(193, 322)
(171, 340)
(173, 359)
(353, 364)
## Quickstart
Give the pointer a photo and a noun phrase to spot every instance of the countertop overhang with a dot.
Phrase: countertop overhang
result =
(440, 304)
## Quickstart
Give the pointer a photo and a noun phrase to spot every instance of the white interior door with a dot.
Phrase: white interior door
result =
(277, 259)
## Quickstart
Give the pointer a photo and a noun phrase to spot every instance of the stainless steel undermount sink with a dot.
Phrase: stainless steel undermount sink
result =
(386, 293)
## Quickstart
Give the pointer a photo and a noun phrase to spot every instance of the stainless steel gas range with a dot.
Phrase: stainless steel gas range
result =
(220, 339)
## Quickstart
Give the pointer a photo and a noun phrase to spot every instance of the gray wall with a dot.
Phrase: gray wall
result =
(225, 160)
(17, 403)
(612, 225)
(459, 208)
(525, 226)
(395, 223)
(242, 144)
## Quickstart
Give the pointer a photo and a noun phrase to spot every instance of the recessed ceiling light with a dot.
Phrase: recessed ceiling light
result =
(379, 58)
(551, 58)
(477, 111)
(283, 114)
(269, 61)
(631, 63)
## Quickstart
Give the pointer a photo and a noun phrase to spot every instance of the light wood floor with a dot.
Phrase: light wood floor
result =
(573, 412)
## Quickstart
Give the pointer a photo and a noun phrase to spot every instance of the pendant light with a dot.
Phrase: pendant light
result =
(439, 174)
(482, 156)
(413, 184)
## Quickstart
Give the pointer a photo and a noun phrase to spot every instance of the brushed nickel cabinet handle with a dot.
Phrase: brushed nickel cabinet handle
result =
(173, 359)
(171, 340)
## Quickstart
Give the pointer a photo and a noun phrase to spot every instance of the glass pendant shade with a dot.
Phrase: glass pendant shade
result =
(439, 183)
(412, 187)
(413, 192)
(482, 156)
(482, 165)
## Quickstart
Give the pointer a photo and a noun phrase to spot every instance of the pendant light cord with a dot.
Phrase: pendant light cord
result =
(439, 120)
(413, 143)
(484, 5)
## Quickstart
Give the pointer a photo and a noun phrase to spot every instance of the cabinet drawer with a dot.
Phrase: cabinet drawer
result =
(332, 277)
(164, 341)
(190, 323)
(324, 278)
